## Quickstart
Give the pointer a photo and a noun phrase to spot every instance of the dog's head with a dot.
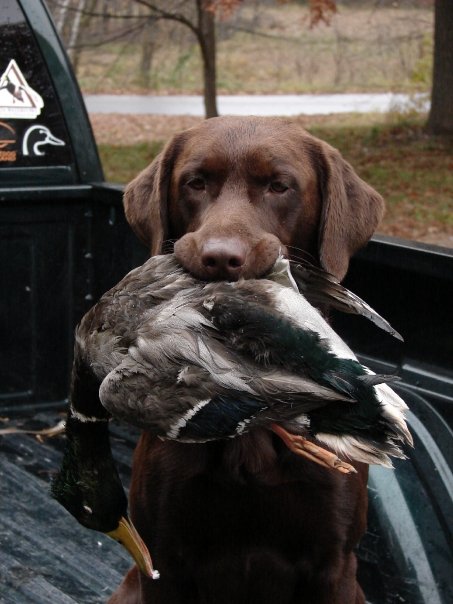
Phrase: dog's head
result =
(235, 191)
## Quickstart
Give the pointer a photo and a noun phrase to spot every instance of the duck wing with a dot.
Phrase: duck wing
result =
(109, 328)
(187, 384)
(291, 333)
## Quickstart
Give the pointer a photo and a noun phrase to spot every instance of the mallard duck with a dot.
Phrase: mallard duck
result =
(194, 361)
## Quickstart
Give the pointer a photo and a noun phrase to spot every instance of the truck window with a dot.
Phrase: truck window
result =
(32, 128)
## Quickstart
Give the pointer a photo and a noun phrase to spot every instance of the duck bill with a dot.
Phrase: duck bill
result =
(127, 535)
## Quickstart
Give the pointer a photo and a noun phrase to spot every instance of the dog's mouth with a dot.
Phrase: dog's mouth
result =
(228, 259)
(228, 276)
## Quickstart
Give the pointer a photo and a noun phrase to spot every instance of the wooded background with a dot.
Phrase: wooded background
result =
(267, 46)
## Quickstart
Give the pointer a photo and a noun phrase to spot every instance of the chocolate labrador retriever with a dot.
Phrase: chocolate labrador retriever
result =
(246, 521)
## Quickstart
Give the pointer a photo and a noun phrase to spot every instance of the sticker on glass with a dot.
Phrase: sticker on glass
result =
(36, 137)
(17, 99)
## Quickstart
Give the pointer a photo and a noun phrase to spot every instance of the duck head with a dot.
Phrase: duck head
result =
(89, 487)
(36, 137)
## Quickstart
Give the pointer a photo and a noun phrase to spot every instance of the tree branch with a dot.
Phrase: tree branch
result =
(163, 14)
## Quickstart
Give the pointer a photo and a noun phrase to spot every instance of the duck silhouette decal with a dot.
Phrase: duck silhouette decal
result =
(36, 137)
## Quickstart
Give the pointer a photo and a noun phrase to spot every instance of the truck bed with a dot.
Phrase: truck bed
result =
(46, 556)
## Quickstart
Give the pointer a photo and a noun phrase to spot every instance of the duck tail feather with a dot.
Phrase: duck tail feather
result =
(371, 379)
(362, 449)
(320, 287)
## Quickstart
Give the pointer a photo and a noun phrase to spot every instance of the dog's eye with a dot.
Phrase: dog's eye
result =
(197, 183)
(276, 186)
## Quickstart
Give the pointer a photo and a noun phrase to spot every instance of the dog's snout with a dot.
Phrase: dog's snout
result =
(223, 258)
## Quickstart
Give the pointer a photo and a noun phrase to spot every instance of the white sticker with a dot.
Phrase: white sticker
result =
(36, 137)
(17, 99)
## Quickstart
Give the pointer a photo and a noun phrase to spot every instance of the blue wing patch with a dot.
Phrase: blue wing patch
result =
(220, 417)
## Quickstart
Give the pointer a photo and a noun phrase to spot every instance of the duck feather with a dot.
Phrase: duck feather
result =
(322, 288)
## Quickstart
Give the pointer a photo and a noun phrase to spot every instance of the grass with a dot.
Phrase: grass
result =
(122, 162)
(412, 170)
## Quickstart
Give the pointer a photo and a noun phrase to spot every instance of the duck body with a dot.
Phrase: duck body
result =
(195, 361)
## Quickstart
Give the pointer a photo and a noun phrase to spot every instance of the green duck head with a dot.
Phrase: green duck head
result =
(89, 487)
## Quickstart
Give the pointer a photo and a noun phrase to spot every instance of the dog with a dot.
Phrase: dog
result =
(246, 521)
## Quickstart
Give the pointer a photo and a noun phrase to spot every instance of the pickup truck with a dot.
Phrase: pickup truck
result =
(64, 241)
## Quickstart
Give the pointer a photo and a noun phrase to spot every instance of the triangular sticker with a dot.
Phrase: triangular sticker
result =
(17, 99)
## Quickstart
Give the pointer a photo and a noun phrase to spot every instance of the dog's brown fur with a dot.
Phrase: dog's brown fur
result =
(246, 521)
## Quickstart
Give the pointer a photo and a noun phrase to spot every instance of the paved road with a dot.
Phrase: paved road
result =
(304, 104)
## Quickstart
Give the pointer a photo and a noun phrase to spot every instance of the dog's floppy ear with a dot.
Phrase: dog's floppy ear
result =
(146, 197)
(351, 211)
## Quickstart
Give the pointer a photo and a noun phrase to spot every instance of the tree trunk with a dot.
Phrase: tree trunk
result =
(440, 119)
(60, 22)
(207, 41)
(148, 46)
(75, 30)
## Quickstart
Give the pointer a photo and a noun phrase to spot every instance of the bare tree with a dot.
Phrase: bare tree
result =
(207, 40)
(61, 16)
(198, 16)
(75, 29)
(203, 25)
(201, 22)
(148, 47)
(440, 120)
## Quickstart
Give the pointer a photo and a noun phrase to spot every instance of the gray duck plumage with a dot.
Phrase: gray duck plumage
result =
(168, 361)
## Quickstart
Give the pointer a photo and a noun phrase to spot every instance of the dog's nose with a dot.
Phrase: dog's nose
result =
(223, 258)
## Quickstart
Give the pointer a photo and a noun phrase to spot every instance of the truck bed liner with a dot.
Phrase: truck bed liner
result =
(45, 555)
